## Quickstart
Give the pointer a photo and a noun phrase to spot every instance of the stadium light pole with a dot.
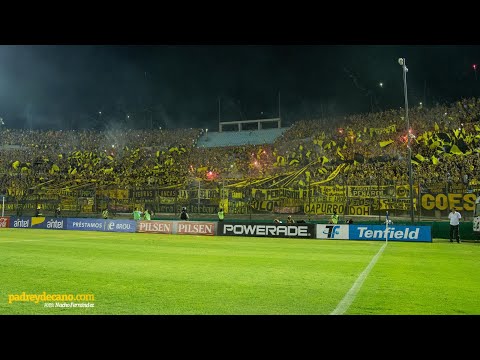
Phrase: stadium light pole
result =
(403, 64)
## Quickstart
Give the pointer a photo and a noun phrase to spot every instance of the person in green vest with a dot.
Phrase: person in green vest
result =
(146, 215)
(105, 213)
(137, 214)
(334, 218)
(220, 214)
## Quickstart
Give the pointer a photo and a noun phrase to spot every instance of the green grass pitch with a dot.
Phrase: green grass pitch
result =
(131, 273)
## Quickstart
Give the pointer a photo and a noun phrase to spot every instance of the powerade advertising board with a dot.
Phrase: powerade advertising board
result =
(101, 225)
(306, 231)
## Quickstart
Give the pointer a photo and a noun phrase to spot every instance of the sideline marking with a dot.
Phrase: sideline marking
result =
(10, 241)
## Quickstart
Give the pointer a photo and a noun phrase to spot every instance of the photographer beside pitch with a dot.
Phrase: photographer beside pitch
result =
(184, 214)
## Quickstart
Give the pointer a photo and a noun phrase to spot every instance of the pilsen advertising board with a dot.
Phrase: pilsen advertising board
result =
(306, 231)
(177, 227)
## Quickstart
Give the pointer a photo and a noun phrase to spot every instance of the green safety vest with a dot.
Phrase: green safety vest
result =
(137, 215)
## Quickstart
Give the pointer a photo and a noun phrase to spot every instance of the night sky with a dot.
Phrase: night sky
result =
(175, 86)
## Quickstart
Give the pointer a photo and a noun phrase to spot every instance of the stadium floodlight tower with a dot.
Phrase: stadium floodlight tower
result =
(403, 64)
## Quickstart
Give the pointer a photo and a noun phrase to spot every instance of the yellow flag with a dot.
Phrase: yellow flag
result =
(419, 157)
(340, 154)
(455, 150)
(434, 145)
(385, 143)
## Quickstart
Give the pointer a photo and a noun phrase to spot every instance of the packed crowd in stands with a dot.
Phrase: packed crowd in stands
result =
(373, 148)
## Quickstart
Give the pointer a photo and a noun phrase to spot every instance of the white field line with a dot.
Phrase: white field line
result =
(347, 300)
(14, 241)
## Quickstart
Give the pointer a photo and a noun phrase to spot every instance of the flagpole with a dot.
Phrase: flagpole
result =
(386, 227)
(402, 62)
